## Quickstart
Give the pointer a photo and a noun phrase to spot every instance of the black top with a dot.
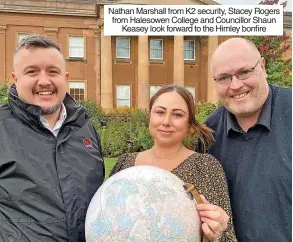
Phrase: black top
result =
(258, 167)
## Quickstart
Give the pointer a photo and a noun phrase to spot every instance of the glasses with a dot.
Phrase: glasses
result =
(241, 75)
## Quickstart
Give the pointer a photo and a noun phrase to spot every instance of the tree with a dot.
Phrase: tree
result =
(272, 48)
(273, 2)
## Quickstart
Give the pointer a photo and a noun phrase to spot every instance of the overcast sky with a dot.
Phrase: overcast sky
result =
(251, 2)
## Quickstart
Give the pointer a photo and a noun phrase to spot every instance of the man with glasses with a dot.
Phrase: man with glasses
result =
(253, 142)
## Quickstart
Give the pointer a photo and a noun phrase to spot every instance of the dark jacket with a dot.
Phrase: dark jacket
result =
(46, 182)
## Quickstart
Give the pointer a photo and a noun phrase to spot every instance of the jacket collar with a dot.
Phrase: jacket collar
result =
(30, 114)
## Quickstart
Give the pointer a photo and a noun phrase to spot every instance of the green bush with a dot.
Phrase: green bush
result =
(139, 136)
(120, 136)
(97, 116)
(204, 109)
(113, 139)
(4, 93)
(279, 72)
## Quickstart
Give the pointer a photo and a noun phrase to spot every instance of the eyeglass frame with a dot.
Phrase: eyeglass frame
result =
(230, 77)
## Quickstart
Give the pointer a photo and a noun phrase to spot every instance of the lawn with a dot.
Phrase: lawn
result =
(109, 163)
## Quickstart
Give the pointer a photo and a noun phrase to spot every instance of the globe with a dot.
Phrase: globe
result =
(142, 204)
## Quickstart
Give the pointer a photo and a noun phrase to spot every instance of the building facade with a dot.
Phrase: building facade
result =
(72, 25)
(113, 71)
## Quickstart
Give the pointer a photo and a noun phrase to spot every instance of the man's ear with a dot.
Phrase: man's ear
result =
(263, 66)
(67, 80)
(263, 62)
(14, 77)
(67, 77)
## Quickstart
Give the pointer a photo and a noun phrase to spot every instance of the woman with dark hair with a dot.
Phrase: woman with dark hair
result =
(172, 117)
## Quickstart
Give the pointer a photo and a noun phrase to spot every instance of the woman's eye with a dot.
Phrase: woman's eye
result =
(160, 112)
(177, 115)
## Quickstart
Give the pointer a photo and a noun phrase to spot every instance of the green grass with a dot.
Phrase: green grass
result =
(109, 163)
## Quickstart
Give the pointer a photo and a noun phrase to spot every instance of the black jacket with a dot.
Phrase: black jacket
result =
(46, 182)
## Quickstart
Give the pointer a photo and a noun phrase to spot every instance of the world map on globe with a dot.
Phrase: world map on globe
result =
(142, 204)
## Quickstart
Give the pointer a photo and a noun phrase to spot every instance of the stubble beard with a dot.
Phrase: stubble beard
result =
(254, 106)
(238, 112)
(51, 110)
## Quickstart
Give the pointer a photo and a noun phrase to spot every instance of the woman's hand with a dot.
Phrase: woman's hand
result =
(215, 219)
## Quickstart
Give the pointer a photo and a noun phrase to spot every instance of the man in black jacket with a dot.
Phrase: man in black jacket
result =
(253, 133)
(51, 162)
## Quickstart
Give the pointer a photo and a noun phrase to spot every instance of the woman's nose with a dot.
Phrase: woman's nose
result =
(166, 121)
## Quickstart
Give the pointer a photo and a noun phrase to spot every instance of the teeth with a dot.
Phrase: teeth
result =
(240, 95)
(45, 93)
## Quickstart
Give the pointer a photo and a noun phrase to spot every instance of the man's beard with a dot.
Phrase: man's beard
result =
(51, 110)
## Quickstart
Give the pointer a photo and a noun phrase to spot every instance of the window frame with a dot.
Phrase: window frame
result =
(129, 47)
(151, 85)
(84, 47)
(187, 88)
(85, 88)
(23, 33)
(193, 50)
(116, 95)
(162, 50)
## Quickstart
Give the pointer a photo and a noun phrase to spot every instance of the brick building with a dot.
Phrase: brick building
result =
(113, 71)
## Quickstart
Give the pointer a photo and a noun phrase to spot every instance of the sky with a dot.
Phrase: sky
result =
(251, 2)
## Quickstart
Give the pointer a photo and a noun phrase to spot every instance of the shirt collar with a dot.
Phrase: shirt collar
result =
(264, 118)
(60, 121)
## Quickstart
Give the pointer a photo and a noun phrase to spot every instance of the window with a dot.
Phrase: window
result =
(76, 46)
(122, 47)
(21, 36)
(189, 50)
(156, 49)
(191, 90)
(153, 90)
(123, 95)
(77, 90)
